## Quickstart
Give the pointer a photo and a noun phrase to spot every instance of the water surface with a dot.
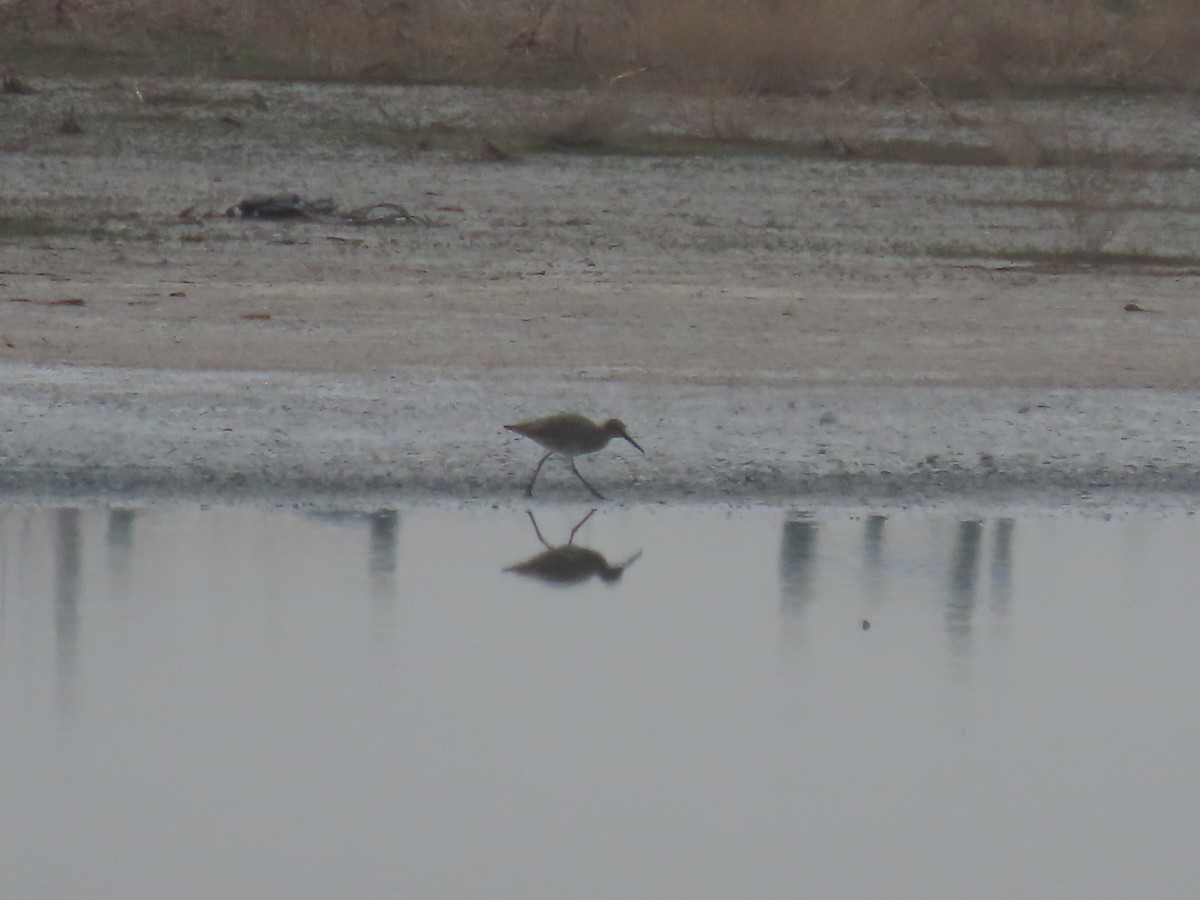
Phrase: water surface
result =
(234, 702)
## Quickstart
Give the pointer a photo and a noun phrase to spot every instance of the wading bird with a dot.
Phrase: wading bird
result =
(570, 435)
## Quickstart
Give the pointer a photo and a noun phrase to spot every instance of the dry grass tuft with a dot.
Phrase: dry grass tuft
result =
(1098, 184)
(587, 119)
(70, 123)
(1098, 189)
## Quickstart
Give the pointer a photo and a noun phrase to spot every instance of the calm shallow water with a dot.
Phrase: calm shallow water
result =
(244, 703)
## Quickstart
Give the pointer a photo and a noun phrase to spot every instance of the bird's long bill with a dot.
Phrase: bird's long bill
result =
(632, 441)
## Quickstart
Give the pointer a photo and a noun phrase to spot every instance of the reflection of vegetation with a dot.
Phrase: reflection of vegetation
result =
(964, 575)
(1002, 559)
(797, 556)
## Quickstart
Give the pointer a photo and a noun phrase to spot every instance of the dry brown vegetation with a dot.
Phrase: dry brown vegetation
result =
(724, 74)
(871, 47)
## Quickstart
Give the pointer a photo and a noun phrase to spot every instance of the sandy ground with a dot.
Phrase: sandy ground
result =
(773, 329)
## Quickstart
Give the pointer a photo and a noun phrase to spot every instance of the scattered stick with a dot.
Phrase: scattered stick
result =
(66, 301)
(293, 206)
(281, 206)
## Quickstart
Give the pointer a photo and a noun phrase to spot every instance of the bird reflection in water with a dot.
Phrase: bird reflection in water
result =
(567, 563)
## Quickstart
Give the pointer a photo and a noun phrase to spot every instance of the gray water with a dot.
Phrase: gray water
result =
(232, 702)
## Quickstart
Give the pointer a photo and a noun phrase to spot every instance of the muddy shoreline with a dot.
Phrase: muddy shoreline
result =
(369, 441)
(774, 329)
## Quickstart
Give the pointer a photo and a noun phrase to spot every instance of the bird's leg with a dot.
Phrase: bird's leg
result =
(536, 530)
(595, 492)
(529, 488)
(580, 523)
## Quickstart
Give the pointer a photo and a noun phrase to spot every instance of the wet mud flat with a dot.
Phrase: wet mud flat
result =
(771, 326)
(379, 441)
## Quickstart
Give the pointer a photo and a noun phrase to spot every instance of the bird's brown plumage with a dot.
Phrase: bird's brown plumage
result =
(570, 435)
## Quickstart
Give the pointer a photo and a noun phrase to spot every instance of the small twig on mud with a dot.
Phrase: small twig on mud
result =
(632, 73)
(293, 206)
(952, 114)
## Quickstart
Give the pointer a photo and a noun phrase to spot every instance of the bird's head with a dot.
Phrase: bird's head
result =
(616, 428)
